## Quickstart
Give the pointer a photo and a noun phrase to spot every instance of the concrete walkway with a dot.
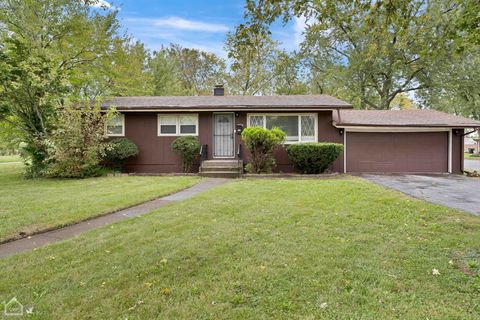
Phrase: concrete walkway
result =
(42, 239)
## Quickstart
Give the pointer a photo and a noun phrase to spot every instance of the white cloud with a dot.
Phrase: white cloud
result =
(103, 4)
(155, 32)
(181, 24)
(300, 26)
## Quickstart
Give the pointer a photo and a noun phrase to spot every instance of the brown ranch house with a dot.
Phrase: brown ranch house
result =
(406, 141)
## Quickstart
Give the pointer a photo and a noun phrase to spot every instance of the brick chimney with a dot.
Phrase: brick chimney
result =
(218, 90)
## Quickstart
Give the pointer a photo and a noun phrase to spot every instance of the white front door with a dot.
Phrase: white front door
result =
(223, 135)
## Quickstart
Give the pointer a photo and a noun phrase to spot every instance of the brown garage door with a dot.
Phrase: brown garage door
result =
(423, 152)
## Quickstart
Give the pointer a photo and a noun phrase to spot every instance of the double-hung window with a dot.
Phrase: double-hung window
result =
(297, 127)
(115, 126)
(178, 124)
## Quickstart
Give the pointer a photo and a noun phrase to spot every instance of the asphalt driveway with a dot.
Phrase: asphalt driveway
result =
(452, 191)
(472, 165)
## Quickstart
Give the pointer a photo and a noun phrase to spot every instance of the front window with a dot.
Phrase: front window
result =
(177, 124)
(115, 126)
(297, 127)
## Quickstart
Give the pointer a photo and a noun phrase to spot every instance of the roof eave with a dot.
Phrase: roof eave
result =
(350, 125)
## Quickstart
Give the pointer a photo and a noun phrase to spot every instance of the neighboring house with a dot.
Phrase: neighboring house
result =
(416, 141)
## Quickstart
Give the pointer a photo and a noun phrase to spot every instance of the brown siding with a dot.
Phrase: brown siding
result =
(367, 152)
(326, 133)
(423, 152)
(156, 155)
(457, 150)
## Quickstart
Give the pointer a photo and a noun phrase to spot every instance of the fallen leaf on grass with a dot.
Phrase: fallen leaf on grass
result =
(166, 291)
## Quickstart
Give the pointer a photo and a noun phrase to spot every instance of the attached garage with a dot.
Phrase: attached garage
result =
(397, 152)
(402, 141)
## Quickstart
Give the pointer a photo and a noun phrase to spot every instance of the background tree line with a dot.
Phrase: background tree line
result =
(55, 55)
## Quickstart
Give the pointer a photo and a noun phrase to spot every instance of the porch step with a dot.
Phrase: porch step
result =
(221, 174)
(221, 168)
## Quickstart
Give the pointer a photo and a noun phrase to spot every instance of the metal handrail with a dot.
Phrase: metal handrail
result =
(204, 152)
(239, 151)
(239, 158)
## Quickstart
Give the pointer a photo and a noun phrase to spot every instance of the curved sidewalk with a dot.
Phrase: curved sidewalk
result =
(42, 239)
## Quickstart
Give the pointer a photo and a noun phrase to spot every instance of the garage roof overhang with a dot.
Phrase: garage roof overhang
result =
(400, 121)
(392, 128)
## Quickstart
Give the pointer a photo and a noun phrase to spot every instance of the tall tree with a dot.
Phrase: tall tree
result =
(45, 46)
(455, 84)
(290, 78)
(383, 48)
(186, 71)
(166, 75)
(253, 56)
(128, 72)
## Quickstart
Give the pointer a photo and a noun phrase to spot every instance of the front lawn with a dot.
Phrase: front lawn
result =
(263, 249)
(31, 205)
(10, 159)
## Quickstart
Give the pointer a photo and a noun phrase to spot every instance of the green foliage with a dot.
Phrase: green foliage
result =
(454, 84)
(185, 71)
(9, 138)
(188, 148)
(369, 52)
(49, 55)
(77, 145)
(253, 62)
(119, 150)
(289, 77)
(261, 143)
(313, 158)
(166, 78)
(127, 70)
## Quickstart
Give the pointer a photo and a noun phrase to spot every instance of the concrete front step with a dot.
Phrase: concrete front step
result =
(222, 163)
(207, 169)
(221, 168)
(221, 174)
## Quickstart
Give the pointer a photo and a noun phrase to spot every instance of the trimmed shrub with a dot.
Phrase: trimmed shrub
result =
(118, 151)
(314, 158)
(261, 143)
(188, 148)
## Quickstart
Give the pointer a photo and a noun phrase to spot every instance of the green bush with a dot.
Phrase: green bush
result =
(188, 147)
(314, 157)
(76, 146)
(261, 143)
(118, 151)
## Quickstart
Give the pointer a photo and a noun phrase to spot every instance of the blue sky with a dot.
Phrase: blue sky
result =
(192, 23)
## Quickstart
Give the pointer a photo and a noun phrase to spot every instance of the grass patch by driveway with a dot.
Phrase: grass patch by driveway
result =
(32, 205)
(263, 249)
(470, 156)
(10, 159)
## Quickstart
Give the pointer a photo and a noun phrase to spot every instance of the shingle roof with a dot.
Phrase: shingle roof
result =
(402, 118)
(227, 102)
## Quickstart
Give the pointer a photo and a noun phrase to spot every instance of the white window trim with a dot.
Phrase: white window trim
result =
(122, 116)
(177, 125)
(315, 116)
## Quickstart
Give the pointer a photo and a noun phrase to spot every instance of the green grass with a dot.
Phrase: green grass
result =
(15, 158)
(263, 249)
(32, 205)
(472, 156)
